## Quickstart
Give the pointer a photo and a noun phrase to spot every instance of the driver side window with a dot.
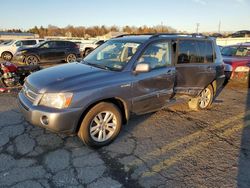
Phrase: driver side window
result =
(157, 55)
(18, 43)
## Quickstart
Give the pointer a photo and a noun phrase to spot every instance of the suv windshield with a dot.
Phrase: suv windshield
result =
(240, 51)
(113, 55)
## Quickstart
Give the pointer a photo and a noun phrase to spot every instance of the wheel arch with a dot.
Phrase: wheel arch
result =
(120, 103)
(33, 54)
(8, 52)
(214, 86)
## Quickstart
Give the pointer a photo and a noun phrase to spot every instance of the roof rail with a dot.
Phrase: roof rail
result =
(155, 35)
(179, 34)
(134, 34)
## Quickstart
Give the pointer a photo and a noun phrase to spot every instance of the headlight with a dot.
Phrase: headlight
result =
(56, 100)
(242, 69)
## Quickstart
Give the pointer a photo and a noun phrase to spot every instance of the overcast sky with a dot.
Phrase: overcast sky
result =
(179, 14)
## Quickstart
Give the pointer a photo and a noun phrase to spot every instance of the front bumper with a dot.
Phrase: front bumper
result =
(59, 120)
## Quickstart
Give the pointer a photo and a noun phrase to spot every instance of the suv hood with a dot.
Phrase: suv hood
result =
(69, 77)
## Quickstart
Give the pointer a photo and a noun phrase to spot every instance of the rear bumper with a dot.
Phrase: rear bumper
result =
(62, 121)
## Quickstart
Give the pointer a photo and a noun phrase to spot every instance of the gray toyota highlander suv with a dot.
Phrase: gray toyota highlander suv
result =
(131, 74)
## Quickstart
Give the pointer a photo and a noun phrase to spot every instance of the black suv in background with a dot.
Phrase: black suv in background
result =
(126, 75)
(49, 51)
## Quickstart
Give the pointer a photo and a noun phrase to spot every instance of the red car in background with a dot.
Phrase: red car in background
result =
(237, 61)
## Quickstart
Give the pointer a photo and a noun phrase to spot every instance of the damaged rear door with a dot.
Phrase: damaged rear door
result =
(195, 67)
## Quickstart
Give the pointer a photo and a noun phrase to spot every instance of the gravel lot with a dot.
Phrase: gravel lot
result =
(171, 148)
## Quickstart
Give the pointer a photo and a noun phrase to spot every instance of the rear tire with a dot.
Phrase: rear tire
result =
(203, 101)
(71, 58)
(101, 125)
(31, 60)
(7, 56)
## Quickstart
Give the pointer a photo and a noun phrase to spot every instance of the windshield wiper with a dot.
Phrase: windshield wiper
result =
(101, 66)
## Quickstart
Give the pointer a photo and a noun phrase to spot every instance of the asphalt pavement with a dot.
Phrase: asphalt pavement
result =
(174, 147)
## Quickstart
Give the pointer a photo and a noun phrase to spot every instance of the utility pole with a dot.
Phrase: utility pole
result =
(219, 26)
(197, 28)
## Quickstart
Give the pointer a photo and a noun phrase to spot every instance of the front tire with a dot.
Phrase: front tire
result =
(204, 100)
(7, 56)
(101, 125)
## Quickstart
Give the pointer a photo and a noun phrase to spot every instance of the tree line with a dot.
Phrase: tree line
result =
(93, 31)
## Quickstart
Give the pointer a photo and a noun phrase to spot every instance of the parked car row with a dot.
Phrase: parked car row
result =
(34, 51)
(9, 48)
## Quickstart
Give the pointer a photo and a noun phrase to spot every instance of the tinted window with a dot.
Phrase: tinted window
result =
(70, 44)
(61, 44)
(194, 51)
(205, 51)
(100, 42)
(28, 42)
(156, 55)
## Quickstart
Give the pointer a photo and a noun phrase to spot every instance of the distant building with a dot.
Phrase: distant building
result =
(13, 36)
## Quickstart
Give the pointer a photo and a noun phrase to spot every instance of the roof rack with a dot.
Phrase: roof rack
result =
(155, 35)
(134, 34)
(179, 34)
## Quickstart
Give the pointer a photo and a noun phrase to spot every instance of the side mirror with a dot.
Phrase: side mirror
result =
(142, 67)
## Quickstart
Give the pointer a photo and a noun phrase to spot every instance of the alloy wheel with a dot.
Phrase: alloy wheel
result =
(103, 126)
(205, 98)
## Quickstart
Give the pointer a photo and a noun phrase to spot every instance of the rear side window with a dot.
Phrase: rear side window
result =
(195, 51)
(28, 42)
(71, 44)
(61, 44)
(205, 50)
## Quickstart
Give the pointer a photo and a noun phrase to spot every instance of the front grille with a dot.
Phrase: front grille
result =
(30, 92)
